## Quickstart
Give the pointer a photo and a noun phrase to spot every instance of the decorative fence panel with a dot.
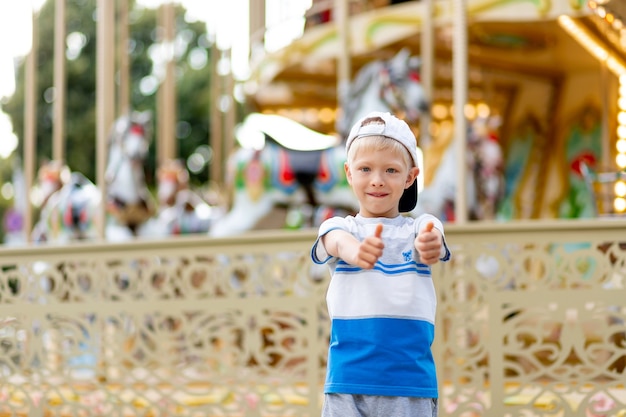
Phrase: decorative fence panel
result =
(530, 323)
(532, 320)
(188, 327)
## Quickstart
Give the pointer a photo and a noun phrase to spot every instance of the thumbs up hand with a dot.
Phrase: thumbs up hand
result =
(428, 244)
(344, 245)
(370, 249)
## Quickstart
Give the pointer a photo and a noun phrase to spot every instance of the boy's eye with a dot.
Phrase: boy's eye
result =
(392, 170)
(365, 169)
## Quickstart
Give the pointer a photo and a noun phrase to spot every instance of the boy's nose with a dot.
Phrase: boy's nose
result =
(377, 179)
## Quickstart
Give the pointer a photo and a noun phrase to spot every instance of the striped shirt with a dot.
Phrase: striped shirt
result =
(382, 319)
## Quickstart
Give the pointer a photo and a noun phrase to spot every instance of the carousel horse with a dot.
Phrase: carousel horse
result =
(484, 166)
(393, 85)
(68, 205)
(180, 210)
(487, 167)
(51, 177)
(281, 163)
(70, 212)
(129, 203)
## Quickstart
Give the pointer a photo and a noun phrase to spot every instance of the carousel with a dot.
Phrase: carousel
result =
(542, 80)
(528, 96)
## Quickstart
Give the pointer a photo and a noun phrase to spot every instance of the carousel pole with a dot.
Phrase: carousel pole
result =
(30, 124)
(344, 68)
(216, 142)
(426, 70)
(105, 104)
(166, 113)
(606, 155)
(58, 127)
(256, 9)
(230, 111)
(123, 98)
(459, 61)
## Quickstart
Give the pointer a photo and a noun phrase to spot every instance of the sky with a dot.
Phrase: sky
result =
(227, 21)
(15, 40)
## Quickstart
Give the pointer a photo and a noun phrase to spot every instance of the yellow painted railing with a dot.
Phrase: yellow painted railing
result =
(531, 321)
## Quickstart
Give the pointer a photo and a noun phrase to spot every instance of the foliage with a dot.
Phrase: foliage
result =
(193, 105)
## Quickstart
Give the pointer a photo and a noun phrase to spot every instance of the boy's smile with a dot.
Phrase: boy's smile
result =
(378, 179)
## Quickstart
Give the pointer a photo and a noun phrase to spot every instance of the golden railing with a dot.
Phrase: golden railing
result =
(530, 322)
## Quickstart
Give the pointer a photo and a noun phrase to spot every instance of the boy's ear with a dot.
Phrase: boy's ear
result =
(413, 173)
(346, 168)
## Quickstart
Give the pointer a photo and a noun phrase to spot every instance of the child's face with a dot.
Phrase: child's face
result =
(378, 179)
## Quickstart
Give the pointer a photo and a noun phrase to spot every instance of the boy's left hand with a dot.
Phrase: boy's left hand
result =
(428, 244)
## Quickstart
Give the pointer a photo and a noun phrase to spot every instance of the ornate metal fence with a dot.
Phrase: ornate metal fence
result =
(530, 323)
(187, 327)
(532, 320)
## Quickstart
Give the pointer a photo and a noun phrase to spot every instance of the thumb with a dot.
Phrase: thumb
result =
(429, 227)
(379, 230)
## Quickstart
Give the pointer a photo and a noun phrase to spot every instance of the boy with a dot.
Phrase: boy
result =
(381, 298)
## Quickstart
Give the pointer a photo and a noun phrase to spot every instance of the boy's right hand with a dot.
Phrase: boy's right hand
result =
(370, 249)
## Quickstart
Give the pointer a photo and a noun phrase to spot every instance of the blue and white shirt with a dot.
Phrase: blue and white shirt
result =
(382, 319)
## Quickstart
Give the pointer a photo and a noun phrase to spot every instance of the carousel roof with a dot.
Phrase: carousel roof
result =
(503, 36)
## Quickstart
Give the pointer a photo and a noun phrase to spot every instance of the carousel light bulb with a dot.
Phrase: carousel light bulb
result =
(310, 116)
(470, 111)
(483, 110)
(326, 115)
(621, 131)
(297, 115)
(619, 204)
(621, 118)
(620, 160)
(7, 191)
(620, 189)
(621, 145)
(439, 111)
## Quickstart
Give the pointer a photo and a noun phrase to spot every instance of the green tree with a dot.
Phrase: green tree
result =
(192, 74)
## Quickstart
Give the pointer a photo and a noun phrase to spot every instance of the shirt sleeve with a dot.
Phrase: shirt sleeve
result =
(319, 255)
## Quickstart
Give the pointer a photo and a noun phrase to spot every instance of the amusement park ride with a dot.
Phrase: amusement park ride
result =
(546, 74)
(537, 90)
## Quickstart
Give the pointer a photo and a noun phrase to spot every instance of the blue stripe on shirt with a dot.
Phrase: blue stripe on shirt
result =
(412, 266)
(397, 366)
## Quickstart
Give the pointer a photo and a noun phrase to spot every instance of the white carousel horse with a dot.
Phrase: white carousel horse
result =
(69, 204)
(70, 212)
(129, 203)
(51, 177)
(484, 165)
(283, 163)
(180, 210)
(392, 85)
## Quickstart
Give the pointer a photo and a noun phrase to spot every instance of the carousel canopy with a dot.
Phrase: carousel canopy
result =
(523, 37)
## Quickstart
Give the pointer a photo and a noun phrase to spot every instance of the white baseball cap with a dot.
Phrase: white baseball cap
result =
(396, 129)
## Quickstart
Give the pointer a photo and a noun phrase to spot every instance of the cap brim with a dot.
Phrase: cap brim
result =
(408, 201)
